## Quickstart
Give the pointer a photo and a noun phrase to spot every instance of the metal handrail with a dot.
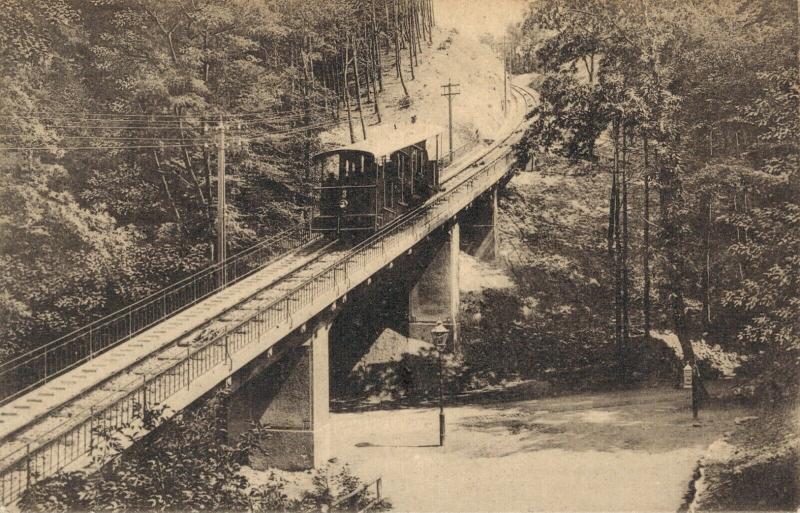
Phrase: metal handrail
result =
(73, 439)
(358, 491)
(445, 160)
(38, 365)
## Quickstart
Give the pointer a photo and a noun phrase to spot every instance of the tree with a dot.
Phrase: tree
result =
(656, 72)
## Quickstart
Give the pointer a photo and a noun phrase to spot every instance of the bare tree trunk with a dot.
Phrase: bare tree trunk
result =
(398, 61)
(375, 48)
(411, 47)
(358, 90)
(347, 94)
(370, 73)
(366, 65)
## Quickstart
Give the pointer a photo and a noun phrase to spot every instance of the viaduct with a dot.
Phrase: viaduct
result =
(270, 323)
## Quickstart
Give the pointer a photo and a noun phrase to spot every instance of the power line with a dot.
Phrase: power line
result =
(247, 139)
(163, 118)
(103, 138)
(70, 148)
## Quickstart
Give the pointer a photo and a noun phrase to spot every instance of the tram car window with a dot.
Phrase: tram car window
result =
(365, 185)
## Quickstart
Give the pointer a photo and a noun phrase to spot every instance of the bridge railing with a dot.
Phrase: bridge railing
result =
(445, 160)
(37, 366)
(75, 438)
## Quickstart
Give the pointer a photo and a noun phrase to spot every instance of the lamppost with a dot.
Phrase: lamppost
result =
(439, 334)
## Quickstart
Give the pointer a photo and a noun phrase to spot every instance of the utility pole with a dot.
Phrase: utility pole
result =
(504, 50)
(221, 238)
(505, 88)
(448, 87)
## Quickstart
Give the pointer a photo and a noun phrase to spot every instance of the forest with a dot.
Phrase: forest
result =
(676, 123)
(114, 114)
(691, 112)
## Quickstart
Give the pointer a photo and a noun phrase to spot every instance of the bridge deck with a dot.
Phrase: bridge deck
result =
(55, 394)
(200, 340)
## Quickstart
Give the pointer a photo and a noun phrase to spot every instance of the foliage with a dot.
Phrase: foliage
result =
(707, 86)
(413, 377)
(112, 120)
(187, 464)
(331, 485)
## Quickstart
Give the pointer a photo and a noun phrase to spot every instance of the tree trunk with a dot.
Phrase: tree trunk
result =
(616, 260)
(377, 55)
(625, 316)
(366, 65)
(398, 60)
(358, 90)
(672, 244)
(306, 111)
(646, 244)
(706, 279)
(612, 207)
(370, 73)
(346, 88)
(412, 47)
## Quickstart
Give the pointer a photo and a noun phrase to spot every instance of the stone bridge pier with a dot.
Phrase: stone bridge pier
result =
(286, 392)
(287, 389)
(479, 227)
(434, 295)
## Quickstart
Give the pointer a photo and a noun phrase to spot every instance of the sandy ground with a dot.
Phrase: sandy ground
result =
(456, 57)
(626, 451)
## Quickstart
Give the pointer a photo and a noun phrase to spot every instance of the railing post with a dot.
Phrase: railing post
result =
(188, 363)
(228, 349)
(130, 324)
(91, 427)
(144, 394)
(378, 486)
(27, 466)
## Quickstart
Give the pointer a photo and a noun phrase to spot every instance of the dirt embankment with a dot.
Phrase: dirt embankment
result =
(752, 468)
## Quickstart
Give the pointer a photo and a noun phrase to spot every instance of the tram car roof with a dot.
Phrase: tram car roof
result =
(384, 140)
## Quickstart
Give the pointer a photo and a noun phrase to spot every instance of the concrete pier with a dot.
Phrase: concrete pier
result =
(479, 227)
(289, 400)
(435, 296)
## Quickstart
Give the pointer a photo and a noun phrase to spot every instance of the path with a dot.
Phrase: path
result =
(628, 451)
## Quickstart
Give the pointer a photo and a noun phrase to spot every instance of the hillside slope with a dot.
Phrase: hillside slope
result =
(452, 56)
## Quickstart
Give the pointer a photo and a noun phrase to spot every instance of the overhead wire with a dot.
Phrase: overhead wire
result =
(247, 138)
(164, 118)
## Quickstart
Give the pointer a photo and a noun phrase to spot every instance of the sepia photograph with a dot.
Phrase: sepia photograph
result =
(399, 256)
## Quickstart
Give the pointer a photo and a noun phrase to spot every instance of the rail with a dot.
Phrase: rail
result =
(445, 160)
(74, 438)
(29, 370)
(337, 504)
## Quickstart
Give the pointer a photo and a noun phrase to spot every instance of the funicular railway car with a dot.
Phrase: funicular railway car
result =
(365, 185)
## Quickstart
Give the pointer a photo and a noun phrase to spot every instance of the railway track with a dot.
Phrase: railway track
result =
(259, 292)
